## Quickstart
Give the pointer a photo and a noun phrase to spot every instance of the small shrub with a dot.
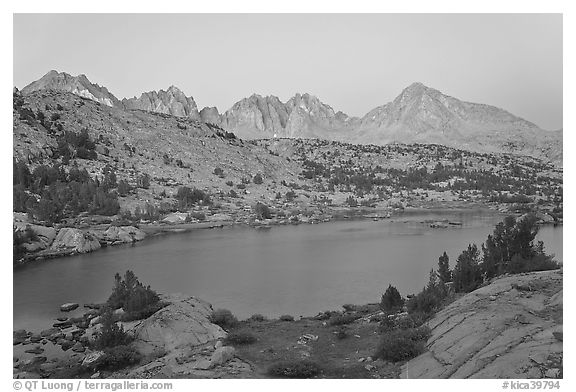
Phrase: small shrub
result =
(257, 317)
(413, 320)
(219, 172)
(143, 181)
(326, 315)
(418, 334)
(539, 262)
(402, 345)
(351, 201)
(295, 369)
(391, 299)
(377, 318)
(290, 195)
(143, 313)
(262, 211)
(131, 295)
(344, 319)
(342, 333)
(198, 215)
(387, 324)
(188, 197)
(118, 357)
(123, 187)
(286, 317)
(364, 309)
(110, 334)
(223, 318)
(239, 338)
(258, 179)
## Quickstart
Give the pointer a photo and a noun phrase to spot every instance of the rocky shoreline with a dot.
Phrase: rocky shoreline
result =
(471, 338)
(93, 233)
(52, 242)
(170, 333)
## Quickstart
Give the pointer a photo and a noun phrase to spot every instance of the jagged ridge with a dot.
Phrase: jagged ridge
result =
(418, 115)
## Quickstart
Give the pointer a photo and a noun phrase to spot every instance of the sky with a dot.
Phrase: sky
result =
(352, 62)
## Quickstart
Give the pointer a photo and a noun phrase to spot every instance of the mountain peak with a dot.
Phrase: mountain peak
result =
(417, 85)
(78, 85)
(415, 89)
(52, 73)
(172, 101)
(174, 89)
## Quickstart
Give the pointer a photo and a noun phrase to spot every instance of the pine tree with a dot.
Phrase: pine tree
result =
(111, 334)
(391, 300)
(492, 263)
(467, 275)
(444, 272)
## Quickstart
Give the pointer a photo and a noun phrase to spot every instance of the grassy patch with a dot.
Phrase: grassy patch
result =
(280, 341)
(344, 319)
(295, 369)
(118, 357)
(240, 337)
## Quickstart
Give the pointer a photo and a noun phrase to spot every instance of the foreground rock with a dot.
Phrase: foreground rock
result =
(186, 342)
(182, 323)
(507, 329)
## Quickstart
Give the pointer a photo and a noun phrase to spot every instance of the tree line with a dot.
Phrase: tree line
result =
(510, 249)
(50, 194)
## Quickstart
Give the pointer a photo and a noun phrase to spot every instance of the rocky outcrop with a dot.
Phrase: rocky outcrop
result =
(70, 240)
(222, 355)
(256, 117)
(210, 115)
(510, 328)
(69, 306)
(184, 322)
(175, 217)
(172, 101)
(79, 85)
(122, 235)
(47, 242)
(309, 117)
(39, 237)
(303, 115)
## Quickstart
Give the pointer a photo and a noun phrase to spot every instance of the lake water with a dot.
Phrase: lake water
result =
(297, 270)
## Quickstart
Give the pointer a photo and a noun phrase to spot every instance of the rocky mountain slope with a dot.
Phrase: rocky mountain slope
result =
(173, 151)
(179, 151)
(418, 115)
(511, 328)
(302, 116)
(172, 101)
(424, 115)
(78, 85)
